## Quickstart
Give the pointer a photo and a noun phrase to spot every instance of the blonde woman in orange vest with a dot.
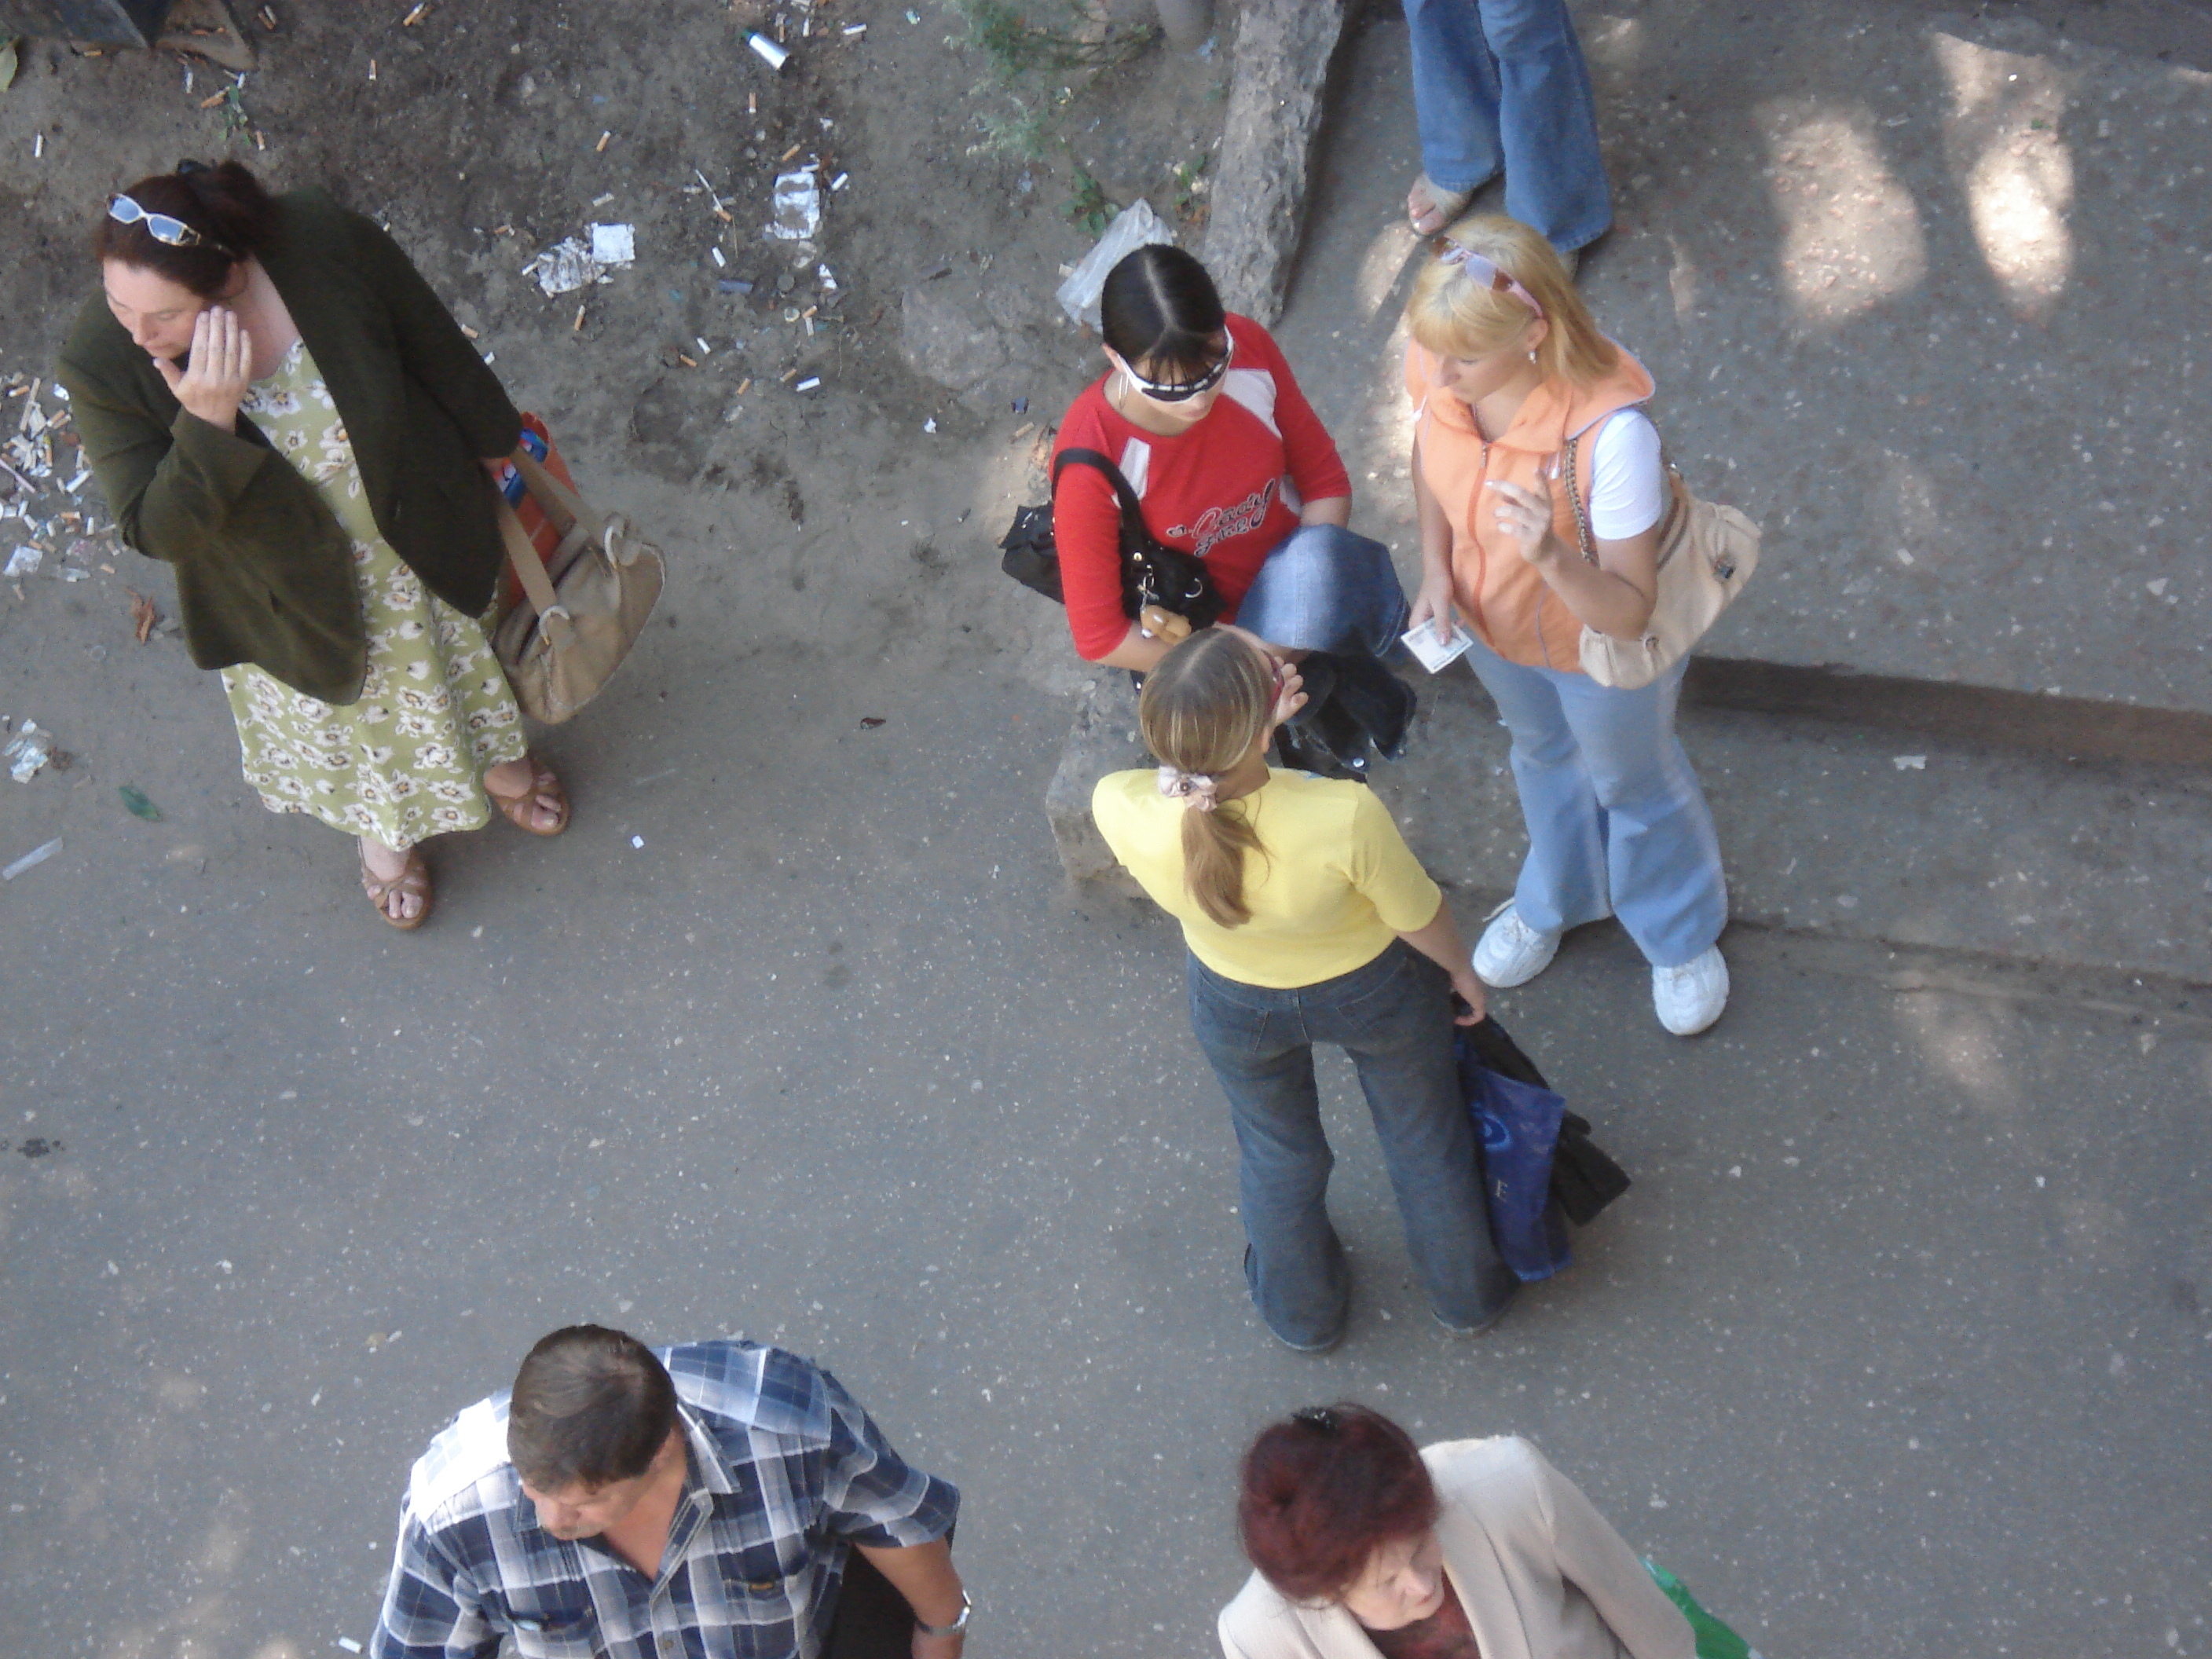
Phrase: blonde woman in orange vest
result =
(1505, 365)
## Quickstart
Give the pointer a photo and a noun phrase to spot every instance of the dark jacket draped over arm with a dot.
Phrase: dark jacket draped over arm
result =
(265, 573)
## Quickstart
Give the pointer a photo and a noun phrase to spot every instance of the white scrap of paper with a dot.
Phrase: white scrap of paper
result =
(24, 562)
(614, 244)
(1908, 762)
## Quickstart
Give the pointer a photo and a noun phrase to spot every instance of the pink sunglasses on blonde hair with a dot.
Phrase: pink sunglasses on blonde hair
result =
(1484, 271)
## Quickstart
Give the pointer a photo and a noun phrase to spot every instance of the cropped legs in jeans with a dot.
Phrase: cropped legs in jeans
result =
(1502, 83)
(1617, 823)
(1393, 1017)
(1326, 588)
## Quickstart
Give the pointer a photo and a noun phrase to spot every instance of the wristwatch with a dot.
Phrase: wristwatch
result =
(958, 1625)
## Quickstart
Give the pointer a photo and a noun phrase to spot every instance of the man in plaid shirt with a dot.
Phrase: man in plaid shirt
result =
(717, 1500)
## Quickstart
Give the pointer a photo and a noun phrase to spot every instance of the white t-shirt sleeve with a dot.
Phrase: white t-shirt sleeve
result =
(1628, 481)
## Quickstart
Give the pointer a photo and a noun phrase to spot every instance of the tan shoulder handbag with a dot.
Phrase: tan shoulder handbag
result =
(584, 605)
(1707, 552)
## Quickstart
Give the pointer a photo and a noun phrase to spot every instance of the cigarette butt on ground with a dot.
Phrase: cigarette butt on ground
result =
(577, 327)
(605, 138)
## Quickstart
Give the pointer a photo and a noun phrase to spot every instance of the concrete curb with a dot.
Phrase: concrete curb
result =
(1998, 850)
(1276, 105)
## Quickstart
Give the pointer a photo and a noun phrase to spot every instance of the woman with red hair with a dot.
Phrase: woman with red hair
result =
(1365, 1544)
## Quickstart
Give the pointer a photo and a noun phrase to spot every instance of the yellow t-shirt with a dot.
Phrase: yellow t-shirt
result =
(1337, 885)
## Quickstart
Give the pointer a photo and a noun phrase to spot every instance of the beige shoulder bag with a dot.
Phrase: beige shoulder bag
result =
(584, 605)
(1706, 554)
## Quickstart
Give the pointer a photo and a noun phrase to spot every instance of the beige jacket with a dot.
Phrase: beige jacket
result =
(1541, 1573)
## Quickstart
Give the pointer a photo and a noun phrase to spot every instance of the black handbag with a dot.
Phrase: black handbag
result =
(1152, 573)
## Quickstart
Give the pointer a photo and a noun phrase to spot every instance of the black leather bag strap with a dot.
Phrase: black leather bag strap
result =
(1134, 531)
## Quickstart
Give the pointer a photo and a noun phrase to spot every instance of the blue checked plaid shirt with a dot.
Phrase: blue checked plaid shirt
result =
(786, 1473)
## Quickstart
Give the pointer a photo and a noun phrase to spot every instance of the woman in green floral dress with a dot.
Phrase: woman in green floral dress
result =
(313, 468)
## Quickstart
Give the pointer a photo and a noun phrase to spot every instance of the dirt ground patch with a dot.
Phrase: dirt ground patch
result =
(861, 509)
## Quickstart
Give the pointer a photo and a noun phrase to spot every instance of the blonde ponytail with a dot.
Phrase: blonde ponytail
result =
(1203, 707)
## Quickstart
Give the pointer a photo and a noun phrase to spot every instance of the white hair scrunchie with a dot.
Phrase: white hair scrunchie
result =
(1199, 792)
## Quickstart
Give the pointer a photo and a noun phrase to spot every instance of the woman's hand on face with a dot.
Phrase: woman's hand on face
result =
(1470, 991)
(213, 385)
(1433, 606)
(1525, 515)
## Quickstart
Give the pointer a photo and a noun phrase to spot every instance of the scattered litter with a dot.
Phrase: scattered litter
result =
(870, 722)
(715, 254)
(69, 572)
(797, 207)
(36, 856)
(2157, 587)
(30, 751)
(852, 29)
(1903, 557)
(637, 842)
(1136, 226)
(829, 283)
(39, 147)
(1908, 762)
(415, 16)
(24, 562)
(142, 614)
(348, 1645)
(78, 482)
(914, 17)
(601, 148)
(563, 267)
(734, 285)
(838, 182)
(614, 246)
(1021, 406)
(808, 383)
(775, 56)
(135, 799)
(930, 425)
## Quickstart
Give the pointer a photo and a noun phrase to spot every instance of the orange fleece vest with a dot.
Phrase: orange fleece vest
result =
(1503, 600)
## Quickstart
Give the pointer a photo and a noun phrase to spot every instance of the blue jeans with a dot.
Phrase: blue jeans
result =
(1502, 83)
(1617, 823)
(1393, 1017)
(1324, 588)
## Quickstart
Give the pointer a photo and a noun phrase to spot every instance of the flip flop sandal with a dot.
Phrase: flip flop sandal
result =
(1445, 205)
(413, 880)
(521, 810)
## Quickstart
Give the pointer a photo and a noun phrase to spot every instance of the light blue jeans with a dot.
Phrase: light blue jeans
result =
(1502, 83)
(1326, 588)
(1394, 1018)
(1617, 823)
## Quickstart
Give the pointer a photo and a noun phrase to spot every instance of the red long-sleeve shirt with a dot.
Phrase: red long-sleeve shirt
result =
(1229, 490)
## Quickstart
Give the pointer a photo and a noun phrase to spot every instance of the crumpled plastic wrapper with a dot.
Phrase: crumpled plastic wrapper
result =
(797, 207)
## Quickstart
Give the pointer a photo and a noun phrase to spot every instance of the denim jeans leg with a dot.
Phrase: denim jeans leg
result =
(1326, 588)
(1298, 1276)
(1455, 94)
(1563, 881)
(1398, 1035)
(1547, 122)
(1663, 854)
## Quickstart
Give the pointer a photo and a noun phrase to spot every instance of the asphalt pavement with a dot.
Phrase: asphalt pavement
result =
(1898, 1345)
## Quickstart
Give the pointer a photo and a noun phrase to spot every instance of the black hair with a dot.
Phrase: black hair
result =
(225, 203)
(1160, 308)
(590, 1406)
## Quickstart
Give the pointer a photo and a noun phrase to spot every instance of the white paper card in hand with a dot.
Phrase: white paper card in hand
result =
(1434, 657)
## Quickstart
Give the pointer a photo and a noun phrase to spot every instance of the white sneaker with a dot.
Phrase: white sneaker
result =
(1510, 953)
(1690, 998)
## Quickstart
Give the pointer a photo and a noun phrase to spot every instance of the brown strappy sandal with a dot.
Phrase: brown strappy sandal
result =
(412, 881)
(521, 810)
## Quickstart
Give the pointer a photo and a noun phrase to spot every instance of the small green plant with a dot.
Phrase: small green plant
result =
(1025, 133)
(1189, 189)
(1089, 206)
(1015, 47)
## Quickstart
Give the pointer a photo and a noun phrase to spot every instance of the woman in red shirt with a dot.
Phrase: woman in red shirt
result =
(1229, 461)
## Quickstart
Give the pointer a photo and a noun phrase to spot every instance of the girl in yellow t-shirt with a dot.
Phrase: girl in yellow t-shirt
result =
(1308, 920)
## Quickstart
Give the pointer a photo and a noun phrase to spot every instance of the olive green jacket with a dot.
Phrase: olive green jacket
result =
(264, 574)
